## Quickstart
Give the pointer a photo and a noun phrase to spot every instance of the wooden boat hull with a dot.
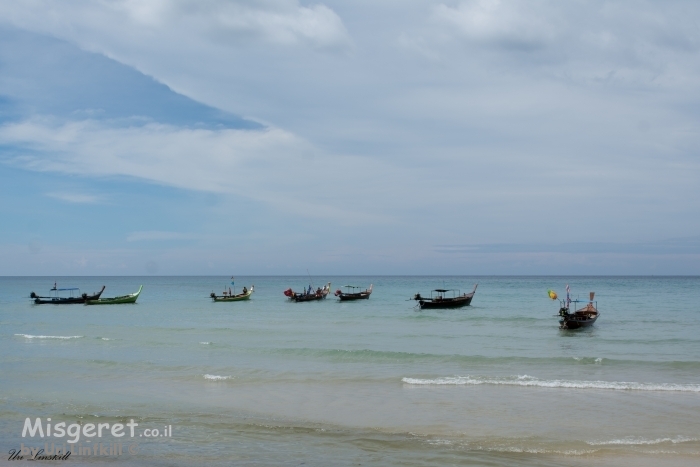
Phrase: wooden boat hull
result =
(348, 296)
(574, 322)
(68, 300)
(308, 297)
(456, 302)
(130, 298)
(354, 296)
(582, 318)
(234, 298)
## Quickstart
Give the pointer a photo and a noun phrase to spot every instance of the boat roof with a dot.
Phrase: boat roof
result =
(69, 288)
(444, 290)
(353, 286)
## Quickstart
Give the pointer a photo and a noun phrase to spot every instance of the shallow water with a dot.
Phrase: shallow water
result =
(270, 382)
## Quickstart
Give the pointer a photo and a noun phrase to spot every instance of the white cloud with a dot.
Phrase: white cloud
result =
(626, 43)
(156, 235)
(511, 24)
(272, 166)
(79, 198)
(182, 22)
(197, 159)
(524, 113)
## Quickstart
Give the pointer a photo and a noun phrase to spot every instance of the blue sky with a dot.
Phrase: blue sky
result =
(349, 137)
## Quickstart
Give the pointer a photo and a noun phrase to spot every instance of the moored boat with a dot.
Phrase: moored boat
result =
(353, 293)
(231, 297)
(309, 294)
(129, 298)
(580, 318)
(445, 298)
(74, 296)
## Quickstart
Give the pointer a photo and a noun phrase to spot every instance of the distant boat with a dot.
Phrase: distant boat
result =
(226, 297)
(130, 298)
(581, 318)
(74, 296)
(308, 294)
(353, 293)
(445, 298)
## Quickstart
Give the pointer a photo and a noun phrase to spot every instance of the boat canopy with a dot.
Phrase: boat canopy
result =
(444, 290)
(353, 286)
(70, 288)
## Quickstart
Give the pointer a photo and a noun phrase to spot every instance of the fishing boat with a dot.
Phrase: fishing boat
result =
(233, 297)
(309, 294)
(73, 296)
(130, 298)
(445, 298)
(353, 293)
(580, 318)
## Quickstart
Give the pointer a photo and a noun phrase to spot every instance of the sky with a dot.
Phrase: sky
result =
(243, 137)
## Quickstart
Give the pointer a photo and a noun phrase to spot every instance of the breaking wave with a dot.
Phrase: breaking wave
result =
(525, 380)
(29, 336)
(642, 441)
(217, 377)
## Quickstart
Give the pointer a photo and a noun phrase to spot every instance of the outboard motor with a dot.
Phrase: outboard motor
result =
(417, 297)
(32, 295)
(563, 311)
(212, 295)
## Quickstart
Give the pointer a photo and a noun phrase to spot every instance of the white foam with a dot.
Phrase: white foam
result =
(642, 441)
(525, 380)
(206, 343)
(29, 336)
(597, 360)
(439, 442)
(570, 452)
(106, 339)
(217, 377)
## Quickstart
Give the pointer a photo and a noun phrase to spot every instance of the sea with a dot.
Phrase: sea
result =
(178, 380)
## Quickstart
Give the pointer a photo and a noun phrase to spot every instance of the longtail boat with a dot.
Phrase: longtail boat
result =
(74, 296)
(354, 294)
(445, 298)
(309, 294)
(130, 298)
(581, 318)
(230, 297)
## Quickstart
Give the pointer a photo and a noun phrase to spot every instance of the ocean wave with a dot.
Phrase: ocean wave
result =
(514, 449)
(206, 343)
(594, 360)
(29, 336)
(217, 377)
(380, 356)
(642, 441)
(525, 380)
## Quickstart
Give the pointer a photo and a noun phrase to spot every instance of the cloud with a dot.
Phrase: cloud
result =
(676, 246)
(513, 25)
(271, 165)
(159, 236)
(512, 123)
(79, 198)
(626, 42)
(185, 22)
(197, 159)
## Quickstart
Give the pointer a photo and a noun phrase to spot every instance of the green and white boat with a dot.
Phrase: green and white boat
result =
(229, 297)
(131, 298)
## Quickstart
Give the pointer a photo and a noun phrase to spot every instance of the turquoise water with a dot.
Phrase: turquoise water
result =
(271, 382)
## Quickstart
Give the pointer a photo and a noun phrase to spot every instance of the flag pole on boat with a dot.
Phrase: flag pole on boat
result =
(310, 281)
